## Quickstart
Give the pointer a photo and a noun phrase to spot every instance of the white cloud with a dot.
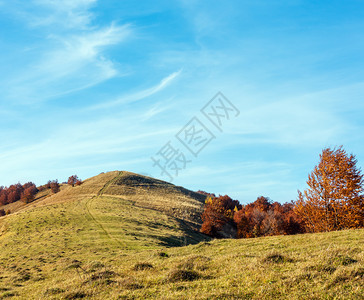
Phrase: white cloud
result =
(141, 94)
(74, 62)
(69, 53)
(65, 13)
(157, 109)
(81, 50)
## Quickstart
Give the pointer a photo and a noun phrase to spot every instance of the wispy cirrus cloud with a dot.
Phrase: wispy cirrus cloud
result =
(140, 94)
(71, 57)
(75, 62)
(66, 14)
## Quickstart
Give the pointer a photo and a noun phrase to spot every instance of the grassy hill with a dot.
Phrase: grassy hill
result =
(125, 236)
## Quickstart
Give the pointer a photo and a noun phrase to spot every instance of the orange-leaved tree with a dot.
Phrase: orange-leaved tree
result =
(74, 180)
(27, 195)
(334, 198)
(218, 211)
(55, 187)
(264, 217)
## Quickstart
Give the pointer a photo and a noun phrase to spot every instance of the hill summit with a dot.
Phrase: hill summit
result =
(160, 195)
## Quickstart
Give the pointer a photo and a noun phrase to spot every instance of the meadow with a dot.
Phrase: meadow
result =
(99, 241)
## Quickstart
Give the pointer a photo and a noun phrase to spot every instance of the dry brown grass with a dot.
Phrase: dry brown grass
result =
(160, 195)
(89, 188)
(88, 244)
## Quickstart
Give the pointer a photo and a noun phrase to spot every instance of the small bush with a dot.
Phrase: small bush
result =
(276, 258)
(182, 275)
(131, 284)
(322, 268)
(347, 274)
(75, 295)
(142, 266)
(163, 254)
(102, 275)
(53, 291)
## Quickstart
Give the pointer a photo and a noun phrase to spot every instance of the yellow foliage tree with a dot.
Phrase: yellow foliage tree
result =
(334, 199)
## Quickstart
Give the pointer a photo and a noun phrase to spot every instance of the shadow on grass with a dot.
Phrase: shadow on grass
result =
(191, 236)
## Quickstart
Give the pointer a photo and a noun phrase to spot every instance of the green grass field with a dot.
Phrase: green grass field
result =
(120, 236)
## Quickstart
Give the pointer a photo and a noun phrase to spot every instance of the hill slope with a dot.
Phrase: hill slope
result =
(159, 195)
(143, 191)
(108, 239)
(151, 213)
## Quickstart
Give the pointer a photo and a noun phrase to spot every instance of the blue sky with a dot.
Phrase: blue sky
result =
(90, 86)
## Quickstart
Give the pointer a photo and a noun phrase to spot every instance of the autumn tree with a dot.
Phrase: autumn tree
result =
(29, 190)
(14, 192)
(17, 192)
(27, 195)
(54, 186)
(264, 217)
(292, 223)
(72, 180)
(3, 196)
(334, 198)
(255, 219)
(224, 217)
(218, 212)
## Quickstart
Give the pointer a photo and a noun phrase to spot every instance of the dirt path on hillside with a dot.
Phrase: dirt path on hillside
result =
(99, 194)
(107, 184)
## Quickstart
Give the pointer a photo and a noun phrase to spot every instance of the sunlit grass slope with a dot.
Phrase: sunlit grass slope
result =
(96, 241)
(83, 221)
(159, 195)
